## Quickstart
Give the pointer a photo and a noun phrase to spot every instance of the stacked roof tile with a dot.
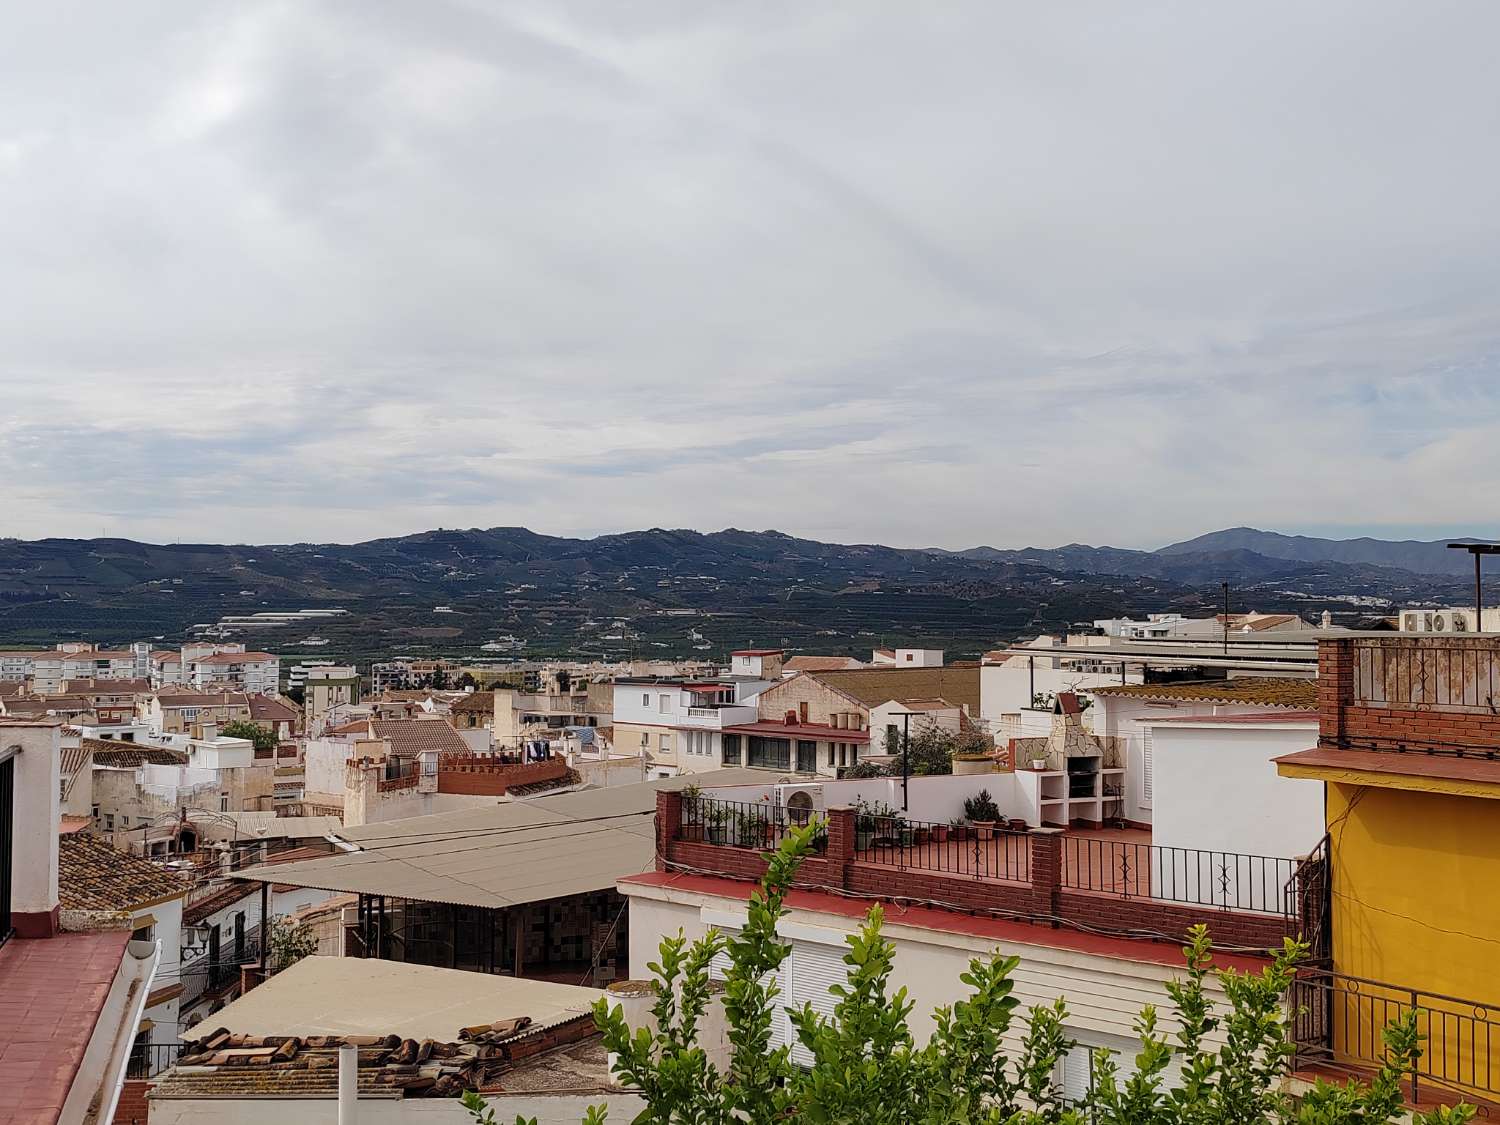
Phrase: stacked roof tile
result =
(1262, 691)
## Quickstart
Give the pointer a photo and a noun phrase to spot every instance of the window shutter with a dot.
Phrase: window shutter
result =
(1146, 767)
(1077, 1070)
(815, 970)
(781, 1033)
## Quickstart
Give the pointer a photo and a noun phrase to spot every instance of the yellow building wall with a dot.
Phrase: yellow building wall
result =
(1416, 904)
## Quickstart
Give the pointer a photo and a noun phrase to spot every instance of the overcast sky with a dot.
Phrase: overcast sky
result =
(923, 274)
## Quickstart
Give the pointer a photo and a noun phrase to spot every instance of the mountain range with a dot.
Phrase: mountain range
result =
(680, 591)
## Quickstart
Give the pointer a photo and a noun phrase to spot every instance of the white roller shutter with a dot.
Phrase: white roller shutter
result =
(1146, 767)
(1076, 1069)
(781, 1028)
(815, 969)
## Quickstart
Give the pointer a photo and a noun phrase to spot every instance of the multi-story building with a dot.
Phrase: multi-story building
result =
(230, 668)
(1406, 754)
(189, 712)
(326, 688)
(678, 725)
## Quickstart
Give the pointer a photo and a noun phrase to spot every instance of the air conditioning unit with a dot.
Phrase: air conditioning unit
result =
(1440, 622)
(1453, 621)
(1413, 622)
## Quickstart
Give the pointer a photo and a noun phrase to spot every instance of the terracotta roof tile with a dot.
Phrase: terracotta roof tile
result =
(410, 737)
(482, 701)
(1262, 691)
(874, 686)
(128, 755)
(821, 664)
(91, 875)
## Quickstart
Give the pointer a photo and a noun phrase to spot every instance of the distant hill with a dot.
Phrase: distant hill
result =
(668, 592)
(1407, 554)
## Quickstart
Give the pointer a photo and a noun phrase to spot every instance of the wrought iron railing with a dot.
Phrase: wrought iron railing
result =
(971, 851)
(1339, 1021)
(745, 824)
(147, 1060)
(1192, 876)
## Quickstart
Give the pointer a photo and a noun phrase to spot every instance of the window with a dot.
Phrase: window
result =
(109, 821)
(832, 749)
(645, 739)
(802, 712)
(145, 933)
(769, 753)
(646, 699)
(664, 704)
(1075, 1070)
(665, 741)
(807, 757)
(731, 749)
(223, 802)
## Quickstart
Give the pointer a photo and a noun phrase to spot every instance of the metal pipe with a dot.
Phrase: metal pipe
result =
(348, 1084)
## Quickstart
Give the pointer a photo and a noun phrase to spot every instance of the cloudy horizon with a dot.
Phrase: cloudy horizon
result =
(944, 276)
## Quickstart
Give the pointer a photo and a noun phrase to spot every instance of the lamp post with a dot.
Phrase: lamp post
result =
(905, 755)
(1478, 550)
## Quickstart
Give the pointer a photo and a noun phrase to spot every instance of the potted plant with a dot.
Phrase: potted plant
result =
(864, 825)
(981, 811)
(716, 820)
(940, 833)
(749, 830)
(693, 811)
(1038, 763)
(921, 833)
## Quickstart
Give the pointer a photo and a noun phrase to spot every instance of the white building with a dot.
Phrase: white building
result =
(678, 724)
(1016, 689)
(1133, 713)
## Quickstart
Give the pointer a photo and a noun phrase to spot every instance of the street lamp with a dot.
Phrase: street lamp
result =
(905, 755)
(1478, 550)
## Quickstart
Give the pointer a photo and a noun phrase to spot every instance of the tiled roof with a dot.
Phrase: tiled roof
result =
(195, 912)
(234, 658)
(821, 664)
(410, 737)
(54, 991)
(128, 755)
(106, 687)
(1261, 691)
(74, 759)
(265, 709)
(202, 699)
(481, 701)
(91, 875)
(874, 686)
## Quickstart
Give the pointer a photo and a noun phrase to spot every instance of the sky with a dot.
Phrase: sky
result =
(938, 274)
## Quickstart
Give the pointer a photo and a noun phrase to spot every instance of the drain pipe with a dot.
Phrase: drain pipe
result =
(348, 1084)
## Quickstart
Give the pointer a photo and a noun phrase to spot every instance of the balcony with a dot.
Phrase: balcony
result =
(1106, 880)
(1339, 1020)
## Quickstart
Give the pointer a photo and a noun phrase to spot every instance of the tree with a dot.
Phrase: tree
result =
(467, 681)
(288, 943)
(931, 749)
(867, 1068)
(263, 737)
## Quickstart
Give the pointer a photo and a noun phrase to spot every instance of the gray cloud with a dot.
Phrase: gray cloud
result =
(940, 275)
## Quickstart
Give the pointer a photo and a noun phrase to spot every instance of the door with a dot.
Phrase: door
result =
(239, 937)
(215, 969)
(807, 757)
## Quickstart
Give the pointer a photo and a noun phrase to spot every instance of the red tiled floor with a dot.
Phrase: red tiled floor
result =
(51, 991)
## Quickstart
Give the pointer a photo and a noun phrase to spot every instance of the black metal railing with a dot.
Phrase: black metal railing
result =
(971, 851)
(743, 824)
(1339, 1020)
(147, 1060)
(1192, 876)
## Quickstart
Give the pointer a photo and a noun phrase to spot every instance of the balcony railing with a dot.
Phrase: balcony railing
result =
(744, 824)
(147, 1060)
(1227, 880)
(1339, 1020)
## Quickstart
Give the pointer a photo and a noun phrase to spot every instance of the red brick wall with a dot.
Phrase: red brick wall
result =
(1346, 721)
(132, 1107)
(486, 777)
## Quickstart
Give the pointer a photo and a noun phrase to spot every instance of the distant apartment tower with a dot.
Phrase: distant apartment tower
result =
(327, 688)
